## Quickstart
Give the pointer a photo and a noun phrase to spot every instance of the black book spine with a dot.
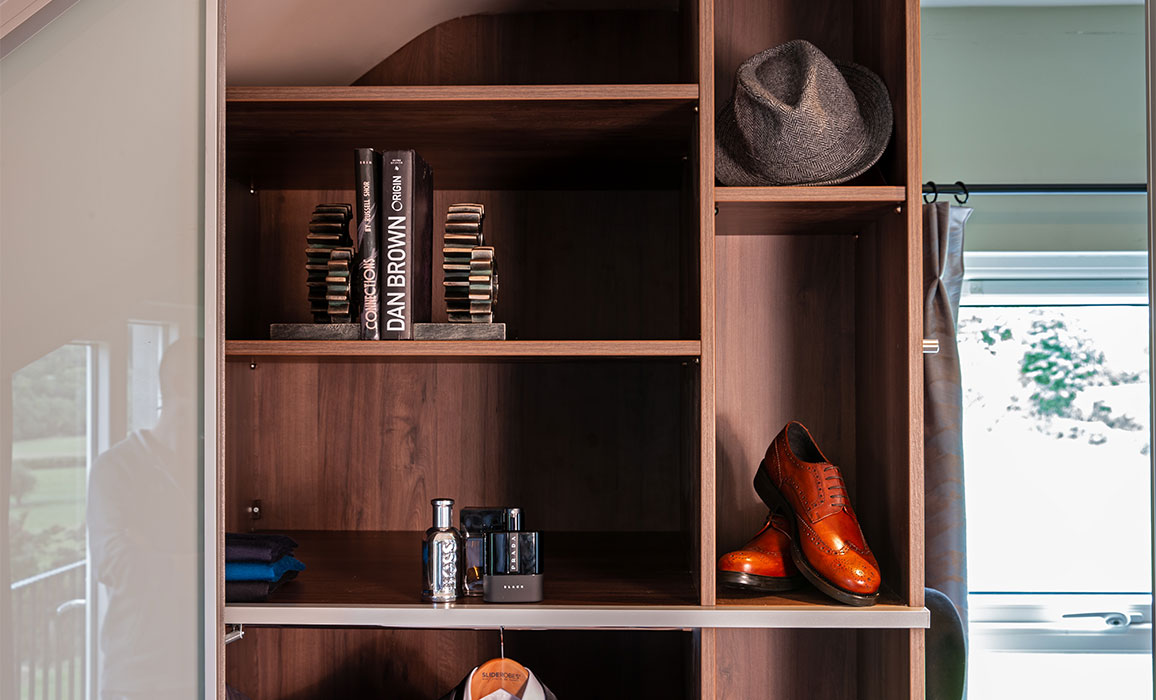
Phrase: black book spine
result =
(406, 244)
(368, 174)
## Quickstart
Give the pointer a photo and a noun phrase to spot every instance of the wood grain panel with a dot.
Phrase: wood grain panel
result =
(580, 265)
(424, 664)
(266, 267)
(788, 664)
(704, 177)
(355, 444)
(883, 402)
(758, 218)
(242, 215)
(887, 43)
(835, 193)
(888, 665)
(786, 350)
(743, 28)
(606, 664)
(804, 595)
(633, 46)
(302, 664)
(586, 137)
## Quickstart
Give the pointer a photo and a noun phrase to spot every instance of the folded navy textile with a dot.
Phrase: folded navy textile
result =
(258, 571)
(257, 547)
(254, 591)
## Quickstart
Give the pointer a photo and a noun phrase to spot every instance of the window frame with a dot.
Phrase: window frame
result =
(1038, 622)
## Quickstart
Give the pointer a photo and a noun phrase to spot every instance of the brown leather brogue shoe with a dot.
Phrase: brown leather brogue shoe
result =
(764, 564)
(827, 543)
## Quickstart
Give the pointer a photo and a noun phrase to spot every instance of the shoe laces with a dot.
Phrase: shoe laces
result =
(838, 490)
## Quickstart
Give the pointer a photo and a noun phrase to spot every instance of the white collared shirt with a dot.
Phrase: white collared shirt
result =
(533, 690)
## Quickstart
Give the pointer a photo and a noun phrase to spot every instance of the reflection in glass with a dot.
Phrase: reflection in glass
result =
(139, 511)
(51, 429)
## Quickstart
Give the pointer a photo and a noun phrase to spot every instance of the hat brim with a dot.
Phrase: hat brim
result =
(875, 108)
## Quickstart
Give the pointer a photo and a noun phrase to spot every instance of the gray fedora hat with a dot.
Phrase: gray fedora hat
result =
(797, 118)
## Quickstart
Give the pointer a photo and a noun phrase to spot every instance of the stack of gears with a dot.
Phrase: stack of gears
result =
(329, 262)
(471, 276)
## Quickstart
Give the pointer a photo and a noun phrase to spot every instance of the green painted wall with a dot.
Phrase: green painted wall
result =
(1035, 95)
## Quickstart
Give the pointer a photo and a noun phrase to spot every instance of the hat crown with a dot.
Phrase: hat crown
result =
(801, 95)
(796, 118)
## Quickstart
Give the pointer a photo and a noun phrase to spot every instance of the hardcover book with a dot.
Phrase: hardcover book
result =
(367, 170)
(406, 250)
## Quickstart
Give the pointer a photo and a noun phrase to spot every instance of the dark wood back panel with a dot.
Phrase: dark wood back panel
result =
(883, 44)
(785, 329)
(743, 28)
(787, 663)
(365, 444)
(425, 664)
(550, 47)
(573, 265)
(888, 350)
(815, 664)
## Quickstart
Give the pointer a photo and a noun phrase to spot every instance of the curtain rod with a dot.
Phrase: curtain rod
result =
(1044, 189)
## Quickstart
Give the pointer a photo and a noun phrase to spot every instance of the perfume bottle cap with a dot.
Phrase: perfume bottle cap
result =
(443, 512)
(513, 519)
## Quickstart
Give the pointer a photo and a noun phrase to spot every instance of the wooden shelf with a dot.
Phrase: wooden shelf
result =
(240, 349)
(368, 568)
(489, 137)
(806, 596)
(836, 193)
(791, 211)
(594, 580)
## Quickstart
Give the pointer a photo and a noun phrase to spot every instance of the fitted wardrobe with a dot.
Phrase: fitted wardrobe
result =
(661, 330)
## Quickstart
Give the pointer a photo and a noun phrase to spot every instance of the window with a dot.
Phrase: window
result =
(1054, 354)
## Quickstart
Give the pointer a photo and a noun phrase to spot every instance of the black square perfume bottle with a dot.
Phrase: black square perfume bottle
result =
(513, 568)
(476, 524)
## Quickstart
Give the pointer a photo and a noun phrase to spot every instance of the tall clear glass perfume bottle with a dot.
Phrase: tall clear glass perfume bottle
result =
(441, 554)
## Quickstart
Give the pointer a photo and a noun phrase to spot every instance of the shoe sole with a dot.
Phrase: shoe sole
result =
(754, 582)
(774, 499)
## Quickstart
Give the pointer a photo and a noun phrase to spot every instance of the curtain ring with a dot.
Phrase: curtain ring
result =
(934, 193)
(966, 194)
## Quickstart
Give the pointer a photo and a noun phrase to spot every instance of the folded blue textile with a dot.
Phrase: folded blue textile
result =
(255, 571)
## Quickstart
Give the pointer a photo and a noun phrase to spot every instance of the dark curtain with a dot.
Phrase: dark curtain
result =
(943, 404)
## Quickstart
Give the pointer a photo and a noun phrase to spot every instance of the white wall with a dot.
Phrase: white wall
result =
(1038, 95)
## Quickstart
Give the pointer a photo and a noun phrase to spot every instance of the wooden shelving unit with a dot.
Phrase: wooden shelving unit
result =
(663, 329)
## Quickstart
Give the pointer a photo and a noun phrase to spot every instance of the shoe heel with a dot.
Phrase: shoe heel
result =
(767, 491)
